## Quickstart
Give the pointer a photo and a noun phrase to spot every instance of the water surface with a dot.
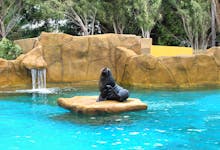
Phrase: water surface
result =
(174, 120)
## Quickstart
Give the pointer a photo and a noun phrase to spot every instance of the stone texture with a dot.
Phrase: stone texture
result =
(174, 72)
(146, 44)
(216, 54)
(73, 59)
(27, 44)
(34, 59)
(4, 71)
(88, 105)
(77, 58)
(12, 74)
(122, 57)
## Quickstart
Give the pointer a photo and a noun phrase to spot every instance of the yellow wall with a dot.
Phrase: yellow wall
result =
(157, 50)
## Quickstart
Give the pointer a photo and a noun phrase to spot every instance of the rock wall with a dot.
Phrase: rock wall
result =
(146, 44)
(13, 74)
(74, 58)
(175, 72)
(27, 44)
(71, 59)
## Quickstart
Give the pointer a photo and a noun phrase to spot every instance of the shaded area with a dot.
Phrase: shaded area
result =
(104, 119)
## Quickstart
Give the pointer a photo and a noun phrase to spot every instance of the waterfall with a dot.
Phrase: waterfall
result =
(38, 78)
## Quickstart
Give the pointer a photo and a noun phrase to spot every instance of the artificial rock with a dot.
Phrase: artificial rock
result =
(73, 59)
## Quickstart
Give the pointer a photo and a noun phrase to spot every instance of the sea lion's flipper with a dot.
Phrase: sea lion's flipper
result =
(123, 94)
(117, 93)
(112, 93)
(100, 98)
(103, 95)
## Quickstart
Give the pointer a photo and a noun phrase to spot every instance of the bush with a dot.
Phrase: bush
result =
(9, 50)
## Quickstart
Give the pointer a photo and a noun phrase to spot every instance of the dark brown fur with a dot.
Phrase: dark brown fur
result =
(109, 89)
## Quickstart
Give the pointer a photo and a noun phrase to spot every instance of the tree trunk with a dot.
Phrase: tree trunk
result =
(84, 29)
(93, 23)
(2, 29)
(145, 34)
(118, 28)
(218, 13)
(93, 26)
(11, 10)
(80, 21)
(115, 27)
(213, 31)
(121, 29)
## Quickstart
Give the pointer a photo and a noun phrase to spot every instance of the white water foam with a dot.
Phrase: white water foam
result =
(41, 90)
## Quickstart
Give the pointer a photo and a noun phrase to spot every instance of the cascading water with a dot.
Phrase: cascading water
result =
(38, 78)
(38, 83)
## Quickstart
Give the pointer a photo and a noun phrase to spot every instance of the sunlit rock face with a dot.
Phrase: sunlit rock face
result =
(74, 58)
(175, 72)
(13, 74)
(71, 59)
(34, 59)
(27, 44)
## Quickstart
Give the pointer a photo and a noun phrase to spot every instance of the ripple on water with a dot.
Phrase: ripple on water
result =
(92, 118)
(147, 144)
(171, 123)
(126, 139)
(196, 130)
(212, 117)
(160, 131)
(126, 116)
(117, 143)
(134, 133)
(118, 120)
(167, 105)
(101, 142)
(146, 129)
(138, 148)
(158, 145)
(119, 128)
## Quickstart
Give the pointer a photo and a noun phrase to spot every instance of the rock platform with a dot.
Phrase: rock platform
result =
(88, 105)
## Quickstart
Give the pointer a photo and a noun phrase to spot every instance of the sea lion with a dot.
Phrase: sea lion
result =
(109, 90)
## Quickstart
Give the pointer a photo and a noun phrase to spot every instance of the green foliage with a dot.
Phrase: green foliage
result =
(9, 15)
(117, 13)
(69, 28)
(147, 13)
(169, 31)
(9, 50)
(172, 22)
(37, 16)
(28, 32)
(82, 13)
(196, 19)
(38, 10)
(17, 13)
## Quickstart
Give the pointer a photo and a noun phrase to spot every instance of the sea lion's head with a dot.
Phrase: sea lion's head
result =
(105, 72)
(106, 78)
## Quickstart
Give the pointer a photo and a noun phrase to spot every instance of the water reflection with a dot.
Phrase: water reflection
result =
(104, 119)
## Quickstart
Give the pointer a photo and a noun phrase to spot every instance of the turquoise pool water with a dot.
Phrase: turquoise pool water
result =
(174, 120)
